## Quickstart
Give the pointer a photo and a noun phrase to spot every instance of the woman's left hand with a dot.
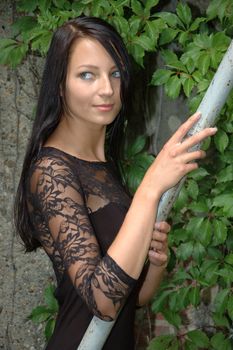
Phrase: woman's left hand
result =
(158, 251)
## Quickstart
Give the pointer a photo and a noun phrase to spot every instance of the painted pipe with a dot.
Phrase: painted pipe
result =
(214, 99)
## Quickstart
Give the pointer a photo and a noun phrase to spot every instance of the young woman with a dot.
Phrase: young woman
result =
(70, 199)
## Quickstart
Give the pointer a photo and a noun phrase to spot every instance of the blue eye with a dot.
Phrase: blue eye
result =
(86, 75)
(116, 74)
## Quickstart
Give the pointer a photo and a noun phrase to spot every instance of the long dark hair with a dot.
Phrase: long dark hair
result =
(51, 105)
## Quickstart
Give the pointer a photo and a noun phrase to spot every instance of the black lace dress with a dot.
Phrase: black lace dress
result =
(76, 209)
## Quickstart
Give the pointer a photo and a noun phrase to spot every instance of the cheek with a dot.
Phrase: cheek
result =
(76, 94)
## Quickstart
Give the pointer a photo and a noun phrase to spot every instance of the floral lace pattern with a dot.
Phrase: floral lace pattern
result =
(63, 192)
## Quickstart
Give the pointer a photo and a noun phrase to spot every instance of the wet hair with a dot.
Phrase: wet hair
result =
(51, 105)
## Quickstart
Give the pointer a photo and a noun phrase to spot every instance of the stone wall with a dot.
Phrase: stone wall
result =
(22, 276)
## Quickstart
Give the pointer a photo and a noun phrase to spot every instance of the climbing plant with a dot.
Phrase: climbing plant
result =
(200, 271)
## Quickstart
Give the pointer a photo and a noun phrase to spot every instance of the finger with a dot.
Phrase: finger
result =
(162, 226)
(157, 258)
(184, 128)
(197, 138)
(191, 156)
(159, 236)
(155, 245)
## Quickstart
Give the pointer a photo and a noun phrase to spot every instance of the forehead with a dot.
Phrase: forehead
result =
(90, 52)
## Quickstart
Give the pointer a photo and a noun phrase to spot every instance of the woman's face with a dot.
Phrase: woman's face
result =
(93, 82)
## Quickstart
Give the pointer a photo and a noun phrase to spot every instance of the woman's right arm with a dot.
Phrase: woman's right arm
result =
(130, 248)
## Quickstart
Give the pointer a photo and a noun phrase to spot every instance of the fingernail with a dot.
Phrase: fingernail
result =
(214, 129)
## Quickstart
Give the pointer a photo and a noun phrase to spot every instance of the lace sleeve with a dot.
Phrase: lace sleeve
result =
(56, 194)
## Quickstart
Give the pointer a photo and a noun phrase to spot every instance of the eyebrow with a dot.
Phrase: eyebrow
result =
(92, 66)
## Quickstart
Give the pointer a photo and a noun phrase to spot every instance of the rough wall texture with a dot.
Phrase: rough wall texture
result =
(24, 277)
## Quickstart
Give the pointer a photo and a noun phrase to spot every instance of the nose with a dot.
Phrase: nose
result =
(106, 88)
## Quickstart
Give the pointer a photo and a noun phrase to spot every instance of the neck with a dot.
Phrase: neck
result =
(80, 139)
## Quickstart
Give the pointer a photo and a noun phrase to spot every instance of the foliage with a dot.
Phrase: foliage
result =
(46, 313)
(201, 240)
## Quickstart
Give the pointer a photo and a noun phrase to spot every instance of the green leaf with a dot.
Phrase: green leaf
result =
(167, 35)
(185, 250)
(12, 52)
(199, 207)
(170, 18)
(195, 24)
(221, 140)
(160, 76)
(151, 3)
(198, 174)
(39, 314)
(184, 13)
(44, 5)
(188, 86)
(208, 269)
(219, 232)
(225, 174)
(194, 224)
(217, 8)
(173, 87)
(161, 342)
(203, 63)
(218, 341)
(224, 201)
(134, 177)
(194, 296)
(40, 40)
(230, 306)
(176, 303)
(145, 42)
(159, 301)
(169, 57)
(24, 24)
(199, 338)
(138, 53)
(192, 188)
(137, 7)
(227, 274)
(122, 25)
(137, 146)
(60, 3)
(220, 301)
(221, 41)
(50, 299)
(182, 199)
(134, 24)
(183, 37)
(154, 28)
(198, 251)
(229, 259)
(220, 321)
(49, 328)
(205, 232)
(27, 5)
(118, 6)
(171, 317)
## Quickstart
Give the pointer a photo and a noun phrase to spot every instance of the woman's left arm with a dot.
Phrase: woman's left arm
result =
(157, 259)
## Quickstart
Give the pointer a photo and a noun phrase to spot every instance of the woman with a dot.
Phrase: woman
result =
(70, 199)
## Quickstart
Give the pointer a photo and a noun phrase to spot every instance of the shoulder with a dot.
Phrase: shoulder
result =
(52, 164)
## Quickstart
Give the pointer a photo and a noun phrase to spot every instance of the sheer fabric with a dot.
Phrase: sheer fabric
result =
(76, 209)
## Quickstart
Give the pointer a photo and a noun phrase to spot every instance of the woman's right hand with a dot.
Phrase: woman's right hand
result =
(176, 160)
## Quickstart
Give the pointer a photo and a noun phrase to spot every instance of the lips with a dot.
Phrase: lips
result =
(104, 107)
